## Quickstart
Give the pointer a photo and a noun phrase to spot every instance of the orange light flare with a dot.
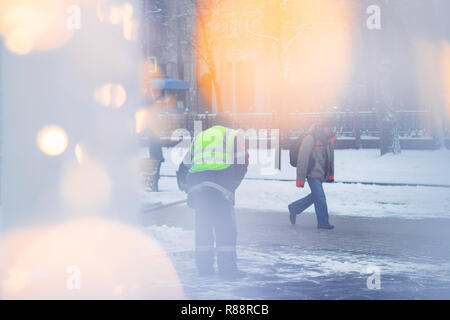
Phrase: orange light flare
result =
(433, 75)
(118, 12)
(148, 120)
(110, 95)
(36, 24)
(142, 118)
(85, 259)
(52, 140)
(87, 187)
(79, 153)
(149, 70)
(297, 52)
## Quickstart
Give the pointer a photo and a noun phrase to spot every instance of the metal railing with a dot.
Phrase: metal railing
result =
(349, 125)
(409, 123)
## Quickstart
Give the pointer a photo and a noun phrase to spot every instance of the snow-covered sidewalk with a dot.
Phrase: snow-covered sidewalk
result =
(343, 199)
(352, 199)
(410, 167)
(365, 165)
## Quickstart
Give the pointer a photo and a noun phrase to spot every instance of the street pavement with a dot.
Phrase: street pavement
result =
(362, 258)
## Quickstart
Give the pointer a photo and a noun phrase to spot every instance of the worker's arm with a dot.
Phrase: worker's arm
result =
(242, 160)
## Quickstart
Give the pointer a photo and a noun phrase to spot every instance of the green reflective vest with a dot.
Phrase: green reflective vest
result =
(213, 149)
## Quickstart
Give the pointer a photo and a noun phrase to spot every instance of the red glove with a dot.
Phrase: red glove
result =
(300, 183)
(330, 179)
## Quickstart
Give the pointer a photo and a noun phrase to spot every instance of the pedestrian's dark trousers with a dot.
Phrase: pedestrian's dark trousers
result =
(316, 197)
(215, 220)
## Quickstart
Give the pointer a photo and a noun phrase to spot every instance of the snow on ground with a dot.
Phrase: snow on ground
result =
(176, 240)
(411, 167)
(350, 199)
(365, 165)
(172, 239)
(290, 272)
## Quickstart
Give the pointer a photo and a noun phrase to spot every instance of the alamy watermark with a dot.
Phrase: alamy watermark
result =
(74, 18)
(73, 281)
(374, 20)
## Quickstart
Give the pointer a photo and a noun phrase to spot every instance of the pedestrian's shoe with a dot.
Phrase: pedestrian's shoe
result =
(233, 274)
(292, 216)
(325, 226)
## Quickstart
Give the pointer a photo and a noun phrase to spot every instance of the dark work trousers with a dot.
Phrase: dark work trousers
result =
(215, 220)
(317, 196)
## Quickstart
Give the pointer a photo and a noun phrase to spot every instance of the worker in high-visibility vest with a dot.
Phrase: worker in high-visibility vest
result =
(213, 169)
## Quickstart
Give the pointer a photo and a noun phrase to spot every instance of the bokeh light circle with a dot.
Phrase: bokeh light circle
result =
(76, 261)
(52, 140)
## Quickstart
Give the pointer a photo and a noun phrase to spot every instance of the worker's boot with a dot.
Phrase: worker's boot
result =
(228, 269)
(204, 260)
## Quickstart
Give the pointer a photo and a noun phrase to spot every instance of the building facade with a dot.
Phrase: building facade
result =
(294, 55)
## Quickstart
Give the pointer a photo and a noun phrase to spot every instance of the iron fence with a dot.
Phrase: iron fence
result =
(359, 126)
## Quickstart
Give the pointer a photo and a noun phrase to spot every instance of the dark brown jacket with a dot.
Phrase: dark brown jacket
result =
(316, 158)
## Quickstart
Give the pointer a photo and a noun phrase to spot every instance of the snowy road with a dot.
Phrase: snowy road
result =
(302, 262)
